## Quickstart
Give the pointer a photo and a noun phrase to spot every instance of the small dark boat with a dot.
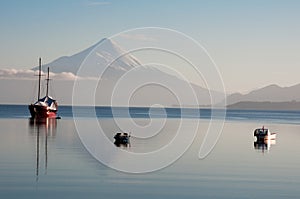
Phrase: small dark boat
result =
(122, 138)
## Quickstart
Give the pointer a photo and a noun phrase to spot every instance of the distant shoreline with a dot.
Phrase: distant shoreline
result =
(250, 105)
(245, 105)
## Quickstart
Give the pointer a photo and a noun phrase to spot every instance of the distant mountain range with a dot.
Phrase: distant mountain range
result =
(273, 93)
(269, 97)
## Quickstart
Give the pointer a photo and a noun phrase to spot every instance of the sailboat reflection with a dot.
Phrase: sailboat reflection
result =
(42, 128)
(264, 145)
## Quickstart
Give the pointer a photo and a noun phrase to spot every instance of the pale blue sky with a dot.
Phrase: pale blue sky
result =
(254, 43)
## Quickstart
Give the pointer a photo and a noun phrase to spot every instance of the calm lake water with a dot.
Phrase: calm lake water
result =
(48, 160)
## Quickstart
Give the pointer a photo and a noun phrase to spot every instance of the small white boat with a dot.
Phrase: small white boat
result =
(271, 136)
(264, 134)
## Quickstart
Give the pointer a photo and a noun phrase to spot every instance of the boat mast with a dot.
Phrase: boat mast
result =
(40, 68)
(47, 82)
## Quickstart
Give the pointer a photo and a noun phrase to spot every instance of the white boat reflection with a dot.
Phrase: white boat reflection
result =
(264, 145)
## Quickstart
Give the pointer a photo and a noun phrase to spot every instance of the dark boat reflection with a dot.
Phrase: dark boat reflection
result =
(264, 145)
(122, 145)
(41, 129)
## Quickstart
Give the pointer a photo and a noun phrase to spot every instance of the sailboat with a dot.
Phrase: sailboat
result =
(45, 107)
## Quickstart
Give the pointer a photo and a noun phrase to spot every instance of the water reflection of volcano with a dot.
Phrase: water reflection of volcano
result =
(264, 145)
(41, 129)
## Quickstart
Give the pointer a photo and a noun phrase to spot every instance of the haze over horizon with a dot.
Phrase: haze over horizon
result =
(254, 43)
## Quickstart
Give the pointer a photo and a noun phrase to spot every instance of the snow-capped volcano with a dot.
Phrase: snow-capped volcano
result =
(107, 54)
(117, 70)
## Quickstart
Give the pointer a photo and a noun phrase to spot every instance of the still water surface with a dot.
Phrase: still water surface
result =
(47, 160)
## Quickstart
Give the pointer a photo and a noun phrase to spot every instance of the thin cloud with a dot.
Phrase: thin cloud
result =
(63, 76)
(16, 74)
(26, 74)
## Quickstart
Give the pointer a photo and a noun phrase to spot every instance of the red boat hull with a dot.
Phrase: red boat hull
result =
(41, 112)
